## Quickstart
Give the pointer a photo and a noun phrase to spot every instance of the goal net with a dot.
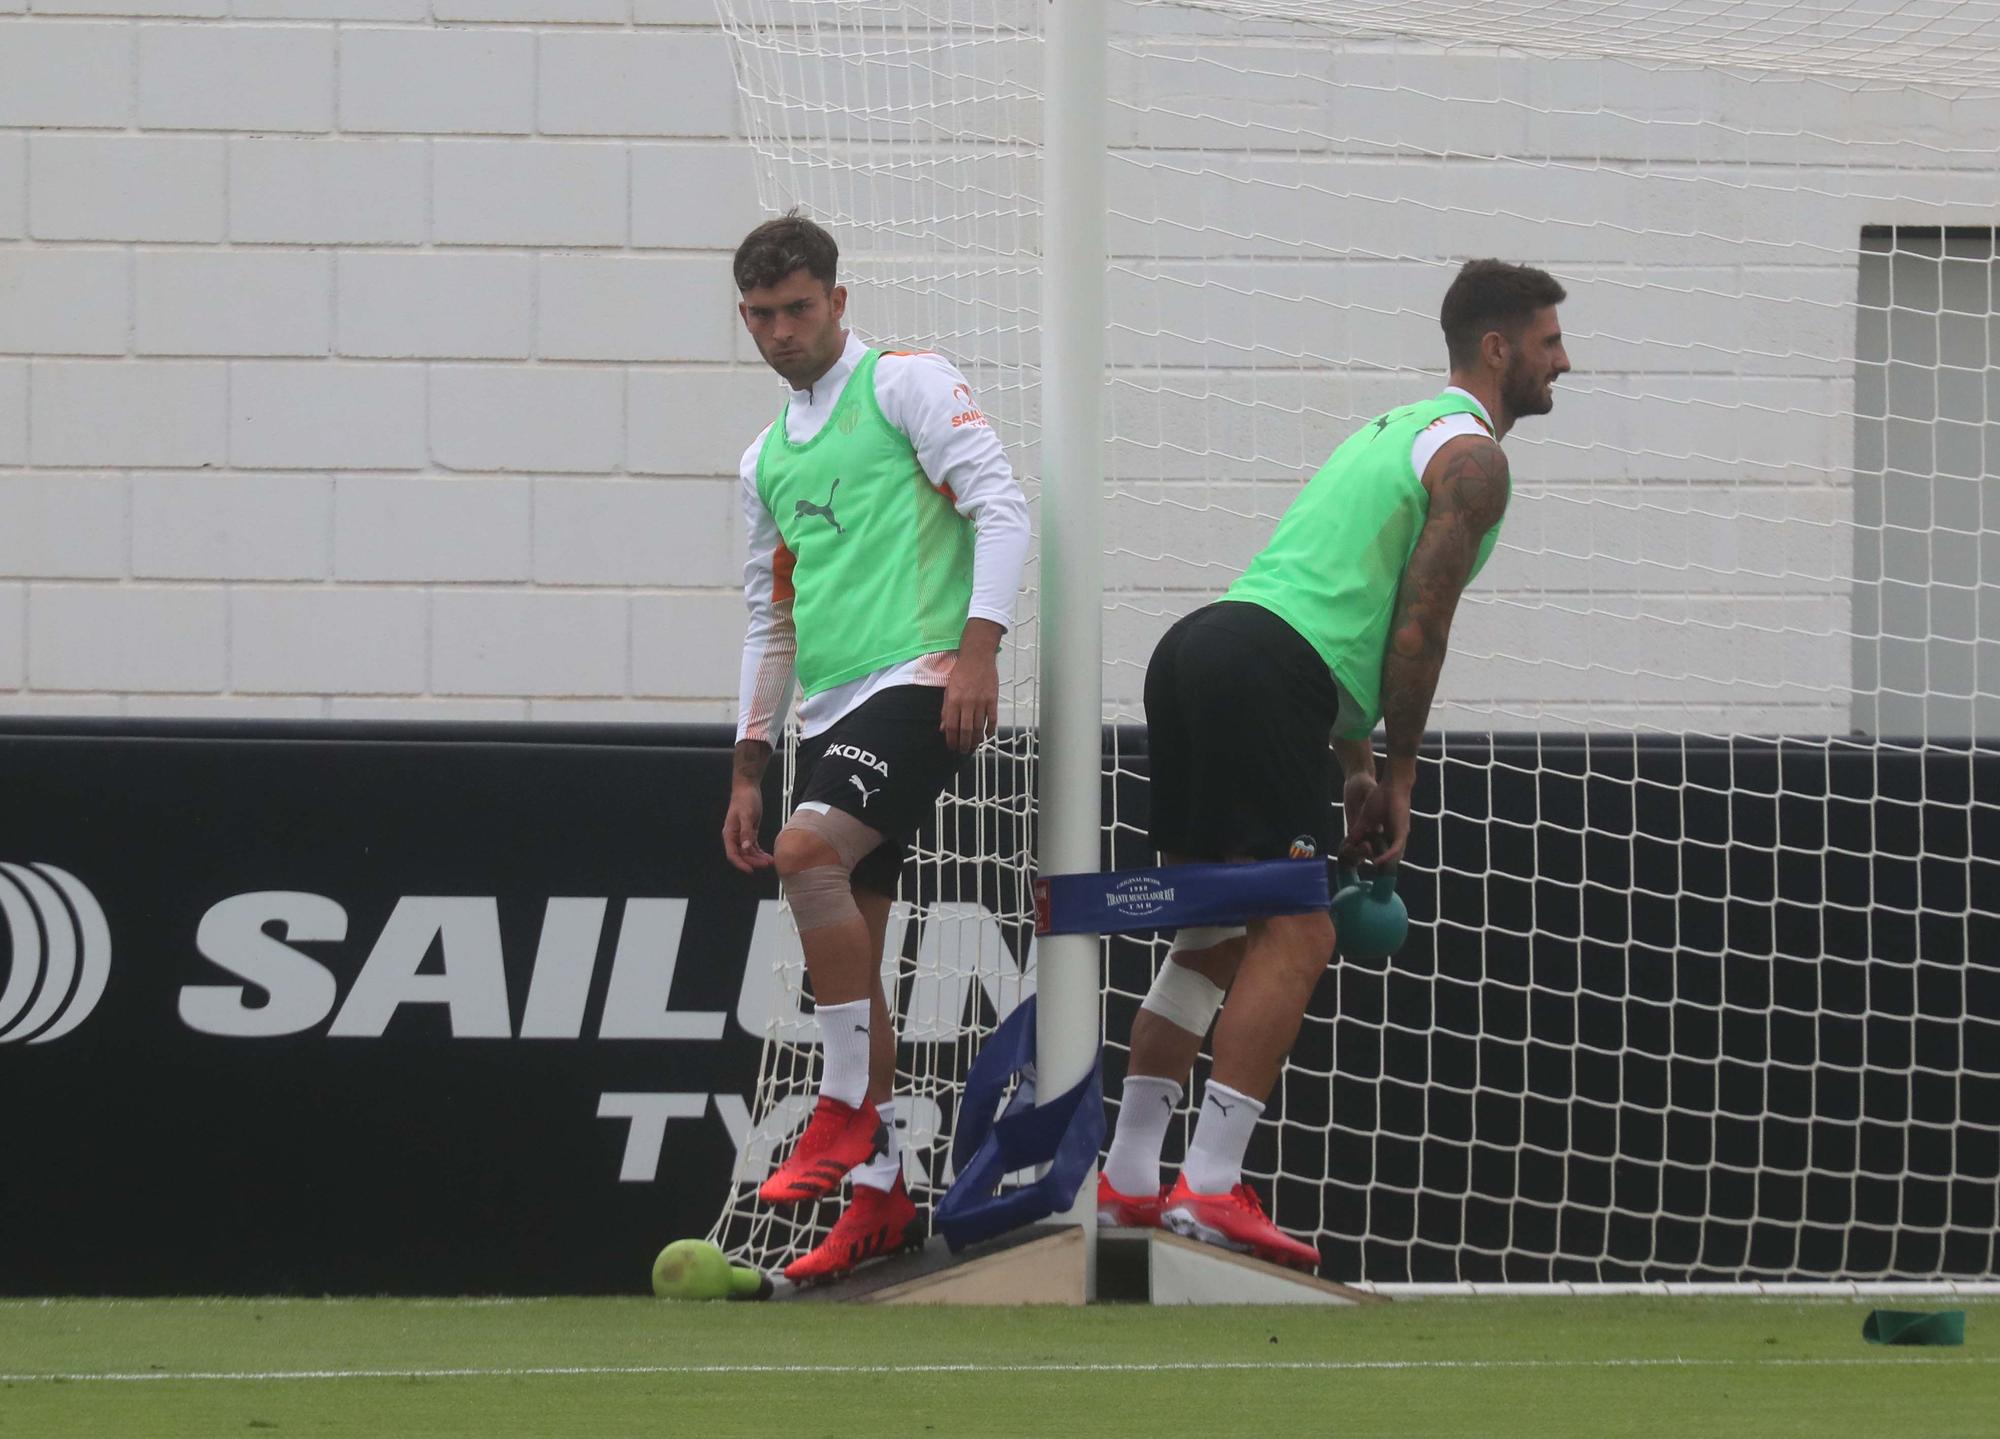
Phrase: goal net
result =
(1703, 983)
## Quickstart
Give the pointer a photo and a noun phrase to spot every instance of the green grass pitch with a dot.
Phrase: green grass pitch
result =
(1487, 1367)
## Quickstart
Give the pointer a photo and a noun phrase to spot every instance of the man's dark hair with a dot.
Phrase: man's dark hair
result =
(1492, 295)
(778, 247)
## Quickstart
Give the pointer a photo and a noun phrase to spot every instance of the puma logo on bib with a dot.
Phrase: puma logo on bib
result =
(802, 508)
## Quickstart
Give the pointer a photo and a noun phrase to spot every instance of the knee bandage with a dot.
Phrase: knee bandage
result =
(824, 894)
(821, 896)
(1183, 997)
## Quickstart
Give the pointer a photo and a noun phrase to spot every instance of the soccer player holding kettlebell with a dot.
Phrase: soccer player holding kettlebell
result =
(1339, 623)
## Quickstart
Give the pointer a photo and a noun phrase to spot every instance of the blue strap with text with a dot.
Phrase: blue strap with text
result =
(1175, 896)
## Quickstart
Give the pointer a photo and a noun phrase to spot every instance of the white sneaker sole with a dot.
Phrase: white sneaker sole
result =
(1183, 1223)
(1187, 1226)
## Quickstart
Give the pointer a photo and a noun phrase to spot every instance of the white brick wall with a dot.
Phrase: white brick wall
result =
(13, 412)
(147, 412)
(377, 358)
(455, 306)
(144, 187)
(734, 402)
(128, 637)
(618, 83)
(1680, 548)
(329, 192)
(13, 648)
(664, 176)
(676, 12)
(193, 526)
(411, 11)
(395, 528)
(68, 73)
(64, 301)
(438, 82)
(605, 308)
(424, 707)
(188, 9)
(300, 415)
(232, 302)
(235, 77)
(530, 192)
(13, 187)
(229, 707)
(353, 640)
(637, 532)
(64, 526)
(511, 642)
(523, 12)
(494, 417)
(684, 644)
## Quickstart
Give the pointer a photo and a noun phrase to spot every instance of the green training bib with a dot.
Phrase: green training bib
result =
(1335, 562)
(880, 564)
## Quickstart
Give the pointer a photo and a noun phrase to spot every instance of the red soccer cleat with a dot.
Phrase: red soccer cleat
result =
(839, 1137)
(877, 1222)
(1235, 1220)
(1128, 1211)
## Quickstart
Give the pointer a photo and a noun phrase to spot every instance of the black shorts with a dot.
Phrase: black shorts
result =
(885, 763)
(1239, 709)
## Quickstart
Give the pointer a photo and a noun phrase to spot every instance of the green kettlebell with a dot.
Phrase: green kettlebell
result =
(1369, 917)
(696, 1269)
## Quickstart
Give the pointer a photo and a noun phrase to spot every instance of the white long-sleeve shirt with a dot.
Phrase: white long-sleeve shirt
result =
(928, 400)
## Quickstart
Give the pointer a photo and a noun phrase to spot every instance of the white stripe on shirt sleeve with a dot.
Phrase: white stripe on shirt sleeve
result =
(1439, 433)
(927, 398)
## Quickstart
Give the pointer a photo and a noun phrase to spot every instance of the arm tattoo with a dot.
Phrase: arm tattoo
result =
(751, 757)
(1468, 500)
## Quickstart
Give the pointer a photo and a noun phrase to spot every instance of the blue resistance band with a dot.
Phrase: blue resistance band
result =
(1064, 1134)
(1175, 896)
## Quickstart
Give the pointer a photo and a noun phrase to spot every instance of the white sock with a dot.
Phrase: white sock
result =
(881, 1171)
(843, 1051)
(1144, 1112)
(1214, 1163)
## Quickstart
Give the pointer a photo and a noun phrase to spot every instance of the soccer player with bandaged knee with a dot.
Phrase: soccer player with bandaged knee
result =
(887, 536)
(1340, 622)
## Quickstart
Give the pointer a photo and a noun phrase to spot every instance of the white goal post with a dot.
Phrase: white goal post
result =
(1709, 833)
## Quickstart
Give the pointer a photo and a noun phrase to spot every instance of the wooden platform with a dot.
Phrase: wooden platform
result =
(1036, 1265)
(1044, 1264)
(1153, 1266)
